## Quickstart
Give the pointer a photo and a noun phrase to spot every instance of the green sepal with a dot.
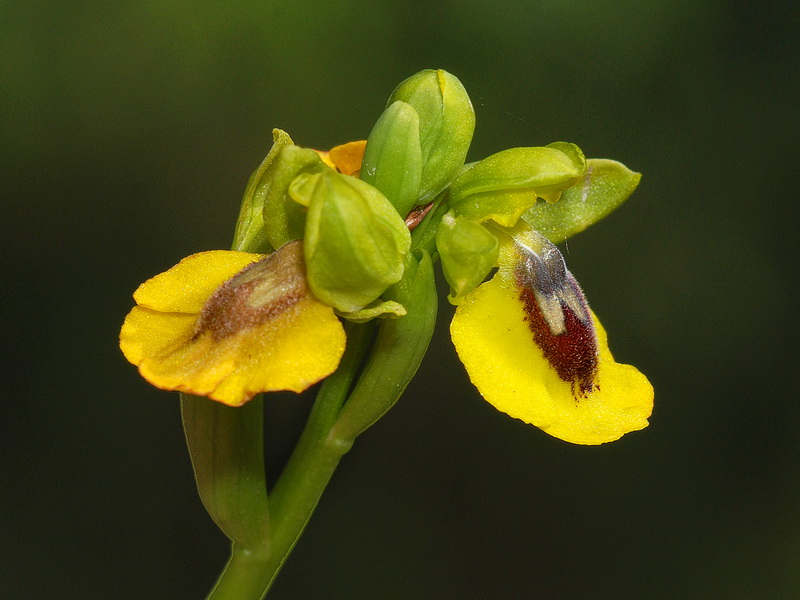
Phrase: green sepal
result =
(250, 231)
(284, 220)
(388, 309)
(468, 251)
(545, 170)
(446, 125)
(355, 242)
(553, 194)
(504, 207)
(393, 156)
(605, 185)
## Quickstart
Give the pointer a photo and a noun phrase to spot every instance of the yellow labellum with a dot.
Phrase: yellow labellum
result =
(495, 343)
(229, 325)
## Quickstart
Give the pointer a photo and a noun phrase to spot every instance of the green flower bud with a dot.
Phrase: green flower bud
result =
(355, 242)
(268, 218)
(504, 185)
(468, 251)
(393, 156)
(250, 232)
(446, 124)
(605, 185)
(284, 220)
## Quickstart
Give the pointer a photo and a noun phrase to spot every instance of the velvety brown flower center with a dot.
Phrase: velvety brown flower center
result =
(259, 292)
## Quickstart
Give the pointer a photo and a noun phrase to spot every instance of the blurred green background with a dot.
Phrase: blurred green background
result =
(128, 132)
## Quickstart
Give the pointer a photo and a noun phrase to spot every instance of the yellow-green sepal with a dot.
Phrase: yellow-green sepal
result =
(604, 186)
(393, 156)
(468, 252)
(284, 220)
(446, 125)
(250, 232)
(355, 242)
(504, 207)
(553, 193)
(543, 171)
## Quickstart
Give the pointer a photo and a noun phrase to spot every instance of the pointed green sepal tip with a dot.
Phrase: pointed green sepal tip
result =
(355, 242)
(604, 186)
(504, 185)
(468, 251)
(393, 156)
(268, 218)
(446, 125)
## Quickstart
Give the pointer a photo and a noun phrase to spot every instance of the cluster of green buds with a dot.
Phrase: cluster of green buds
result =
(353, 224)
(356, 226)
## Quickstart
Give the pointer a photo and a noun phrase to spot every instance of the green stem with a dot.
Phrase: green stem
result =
(334, 424)
(245, 576)
(306, 474)
(293, 503)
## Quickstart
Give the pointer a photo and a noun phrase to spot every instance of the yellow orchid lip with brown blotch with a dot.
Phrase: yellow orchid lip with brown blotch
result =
(535, 350)
(229, 325)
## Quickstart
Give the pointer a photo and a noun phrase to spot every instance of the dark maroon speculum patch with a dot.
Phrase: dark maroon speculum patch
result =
(557, 315)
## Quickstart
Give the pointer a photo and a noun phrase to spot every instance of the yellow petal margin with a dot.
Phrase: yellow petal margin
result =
(290, 350)
(186, 286)
(495, 344)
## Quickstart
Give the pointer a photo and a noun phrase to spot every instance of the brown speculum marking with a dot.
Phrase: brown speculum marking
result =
(557, 315)
(259, 292)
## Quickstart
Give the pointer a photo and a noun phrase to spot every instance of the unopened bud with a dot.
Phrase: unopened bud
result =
(355, 242)
(468, 251)
(446, 125)
(393, 156)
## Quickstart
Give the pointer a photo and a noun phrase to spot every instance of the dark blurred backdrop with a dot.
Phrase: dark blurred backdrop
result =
(128, 132)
